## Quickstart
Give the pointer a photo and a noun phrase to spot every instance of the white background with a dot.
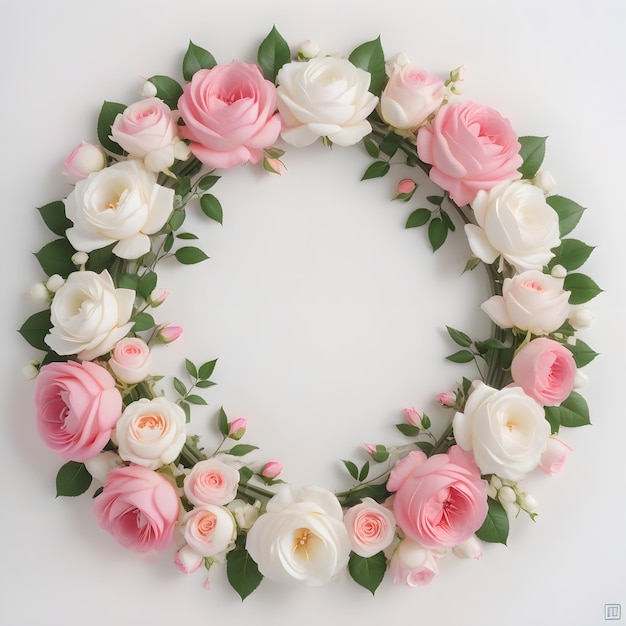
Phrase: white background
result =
(327, 316)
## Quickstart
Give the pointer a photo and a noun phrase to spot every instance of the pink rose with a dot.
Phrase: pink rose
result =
(211, 482)
(471, 147)
(413, 565)
(139, 508)
(371, 527)
(545, 370)
(272, 470)
(84, 159)
(229, 114)
(555, 455)
(209, 530)
(148, 130)
(440, 501)
(77, 407)
(131, 360)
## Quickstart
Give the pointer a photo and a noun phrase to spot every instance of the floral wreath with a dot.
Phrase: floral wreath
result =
(100, 407)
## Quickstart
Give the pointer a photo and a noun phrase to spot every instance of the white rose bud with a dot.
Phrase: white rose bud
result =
(507, 494)
(580, 317)
(55, 282)
(469, 549)
(39, 292)
(558, 271)
(580, 380)
(245, 514)
(30, 370)
(308, 50)
(527, 502)
(80, 259)
(545, 181)
(148, 90)
(101, 464)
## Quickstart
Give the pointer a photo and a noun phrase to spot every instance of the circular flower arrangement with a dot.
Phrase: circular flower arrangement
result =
(101, 408)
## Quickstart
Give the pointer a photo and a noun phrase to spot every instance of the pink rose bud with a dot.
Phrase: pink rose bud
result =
(553, 459)
(406, 186)
(158, 296)
(273, 166)
(413, 418)
(447, 398)
(237, 428)
(168, 334)
(272, 469)
(188, 561)
(84, 160)
(370, 447)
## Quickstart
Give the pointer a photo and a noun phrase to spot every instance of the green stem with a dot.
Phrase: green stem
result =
(447, 433)
(253, 491)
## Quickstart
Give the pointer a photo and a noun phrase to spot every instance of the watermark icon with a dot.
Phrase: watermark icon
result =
(612, 611)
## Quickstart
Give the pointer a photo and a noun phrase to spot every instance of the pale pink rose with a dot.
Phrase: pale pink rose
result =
(139, 508)
(410, 97)
(131, 360)
(371, 527)
(412, 417)
(406, 186)
(553, 459)
(84, 159)
(237, 428)
(545, 370)
(447, 398)
(77, 408)
(209, 530)
(471, 147)
(531, 301)
(413, 564)
(272, 469)
(440, 501)
(188, 561)
(211, 482)
(148, 130)
(229, 114)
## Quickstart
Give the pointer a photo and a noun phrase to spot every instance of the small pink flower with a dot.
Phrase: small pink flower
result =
(413, 418)
(413, 564)
(188, 561)
(139, 508)
(545, 370)
(274, 166)
(370, 447)
(272, 470)
(211, 482)
(440, 501)
(84, 159)
(131, 360)
(167, 334)
(230, 114)
(471, 147)
(77, 408)
(406, 186)
(237, 428)
(553, 459)
(371, 527)
(447, 398)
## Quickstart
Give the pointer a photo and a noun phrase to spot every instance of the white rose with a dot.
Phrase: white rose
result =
(530, 301)
(245, 514)
(122, 204)
(410, 97)
(324, 97)
(516, 223)
(100, 465)
(89, 315)
(209, 530)
(301, 537)
(151, 432)
(505, 429)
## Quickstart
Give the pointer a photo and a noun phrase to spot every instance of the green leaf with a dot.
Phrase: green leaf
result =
(408, 430)
(191, 369)
(203, 384)
(378, 492)
(372, 147)
(459, 337)
(462, 356)
(368, 572)
(195, 399)
(206, 369)
(380, 455)
(425, 446)
(245, 474)
(143, 321)
(167, 89)
(490, 344)
(495, 528)
(582, 288)
(182, 186)
(147, 284)
(389, 145)
(353, 470)
(56, 258)
(196, 58)
(53, 215)
(108, 113)
(128, 281)
(437, 233)
(447, 221)
(223, 422)
(425, 421)
(207, 182)
(73, 479)
(180, 387)
(241, 449)
(418, 218)
(436, 200)
(571, 254)
(186, 236)
(371, 58)
(100, 259)
(533, 151)
(273, 54)
(35, 328)
(572, 412)
(242, 572)
(189, 255)
(569, 213)
(365, 470)
(211, 207)
(583, 354)
(176, 219)
(186, 410)
(169, 243)
(376, 170)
